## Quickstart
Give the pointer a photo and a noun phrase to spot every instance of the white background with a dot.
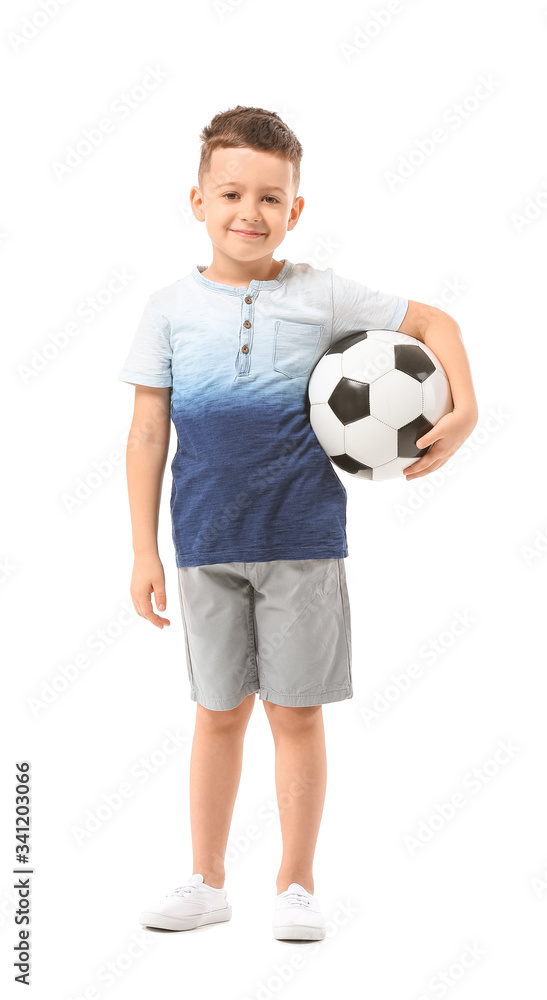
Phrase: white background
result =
(471, 543)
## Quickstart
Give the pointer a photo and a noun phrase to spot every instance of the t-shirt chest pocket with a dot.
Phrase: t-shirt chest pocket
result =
(294, 347)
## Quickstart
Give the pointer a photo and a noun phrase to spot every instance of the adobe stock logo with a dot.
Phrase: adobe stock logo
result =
(33, 23)
(532, 210)
(454, 117)
(475, 780)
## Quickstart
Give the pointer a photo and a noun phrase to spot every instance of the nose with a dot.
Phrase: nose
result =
(248, 212)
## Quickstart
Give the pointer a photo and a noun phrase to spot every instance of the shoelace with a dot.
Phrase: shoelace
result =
(297, 899)
(183, 890)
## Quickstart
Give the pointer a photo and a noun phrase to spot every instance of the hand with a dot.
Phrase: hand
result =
(148, 577)
(446, 436)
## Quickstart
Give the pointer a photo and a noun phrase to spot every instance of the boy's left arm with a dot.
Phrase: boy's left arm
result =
(440, 332)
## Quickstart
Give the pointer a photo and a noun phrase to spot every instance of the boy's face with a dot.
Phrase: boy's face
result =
(247, 189)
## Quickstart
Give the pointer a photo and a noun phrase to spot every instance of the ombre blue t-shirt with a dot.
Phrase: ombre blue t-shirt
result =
(251, 482)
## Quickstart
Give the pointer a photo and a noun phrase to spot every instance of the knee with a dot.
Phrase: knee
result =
(284, 718)
(228, 720)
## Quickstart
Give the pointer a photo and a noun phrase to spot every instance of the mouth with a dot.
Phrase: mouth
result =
(247, 235)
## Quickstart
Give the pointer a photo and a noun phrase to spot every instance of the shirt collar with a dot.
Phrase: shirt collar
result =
(241, 289)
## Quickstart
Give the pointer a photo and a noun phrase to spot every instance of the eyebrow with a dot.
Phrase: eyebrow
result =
(266, 187)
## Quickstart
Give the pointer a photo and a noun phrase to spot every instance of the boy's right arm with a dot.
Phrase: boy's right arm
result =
(147, 449)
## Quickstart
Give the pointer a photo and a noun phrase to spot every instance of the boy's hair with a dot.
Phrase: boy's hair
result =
(252, 127)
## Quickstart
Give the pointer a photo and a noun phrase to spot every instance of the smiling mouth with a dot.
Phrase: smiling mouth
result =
(241, 232)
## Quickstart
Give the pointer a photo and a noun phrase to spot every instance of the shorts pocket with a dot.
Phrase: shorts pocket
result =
(294, 349)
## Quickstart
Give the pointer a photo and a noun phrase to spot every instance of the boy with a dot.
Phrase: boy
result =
(258, 513)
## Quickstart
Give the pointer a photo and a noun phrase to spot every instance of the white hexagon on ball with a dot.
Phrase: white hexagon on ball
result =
(370, 442)
(367, 360)
(327, 428)
(324, 377)
(390, 470)
(437, 398)
(396, 398)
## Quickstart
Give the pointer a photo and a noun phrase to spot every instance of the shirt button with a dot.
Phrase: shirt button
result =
(248, 298)
(247, 323)
(245, 349)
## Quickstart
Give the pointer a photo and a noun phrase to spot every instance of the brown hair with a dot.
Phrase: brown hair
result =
(252, 127)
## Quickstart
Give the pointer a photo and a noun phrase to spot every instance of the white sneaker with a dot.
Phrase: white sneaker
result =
(189, 905)
(297, 915)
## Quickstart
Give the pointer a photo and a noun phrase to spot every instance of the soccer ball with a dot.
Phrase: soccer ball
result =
(371, 396)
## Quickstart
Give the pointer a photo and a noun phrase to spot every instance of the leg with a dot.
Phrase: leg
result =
(300, 777)
(215, 772)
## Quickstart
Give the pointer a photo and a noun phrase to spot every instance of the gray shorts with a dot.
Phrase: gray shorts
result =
(279, 628)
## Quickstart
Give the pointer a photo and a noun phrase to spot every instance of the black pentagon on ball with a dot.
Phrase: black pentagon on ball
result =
(350, 400)
(410, 359)
(409, 434)
(343, 345)
(349, 464)
(338, 348)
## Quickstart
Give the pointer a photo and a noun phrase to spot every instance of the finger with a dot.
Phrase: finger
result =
(421, 465)
(428, 469)
(159, 593)
(149, 613)
(430, 438)
(423, 461)
(415, 467)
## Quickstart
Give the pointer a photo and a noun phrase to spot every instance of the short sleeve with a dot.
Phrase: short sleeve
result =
(356, 307)
(149, 358)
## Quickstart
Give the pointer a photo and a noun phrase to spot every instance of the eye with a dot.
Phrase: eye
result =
(228, 193)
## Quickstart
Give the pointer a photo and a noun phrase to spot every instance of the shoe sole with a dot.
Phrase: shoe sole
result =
(299, 932)
(149, 919)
